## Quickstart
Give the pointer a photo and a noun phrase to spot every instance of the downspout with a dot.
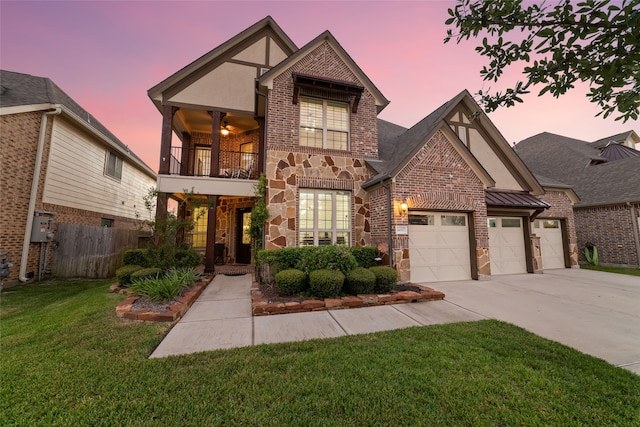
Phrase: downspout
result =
(34, 192)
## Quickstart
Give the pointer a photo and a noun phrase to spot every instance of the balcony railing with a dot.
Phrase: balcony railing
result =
(197, 162)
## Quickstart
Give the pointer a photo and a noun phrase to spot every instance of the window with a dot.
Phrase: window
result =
(510, 222)
(113, 167)
(106, 222)
(324, 124)
(453, 220)
(325, 218)
(421, 220)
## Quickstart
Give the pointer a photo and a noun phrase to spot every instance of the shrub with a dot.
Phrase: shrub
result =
(365, 255)
(291, 281)
(326, 258)
(386, 278)
(124, 273)
(135, 257)
(359, 281)
(143, 273)
(325, 283)
(165, 287)
(188, 258)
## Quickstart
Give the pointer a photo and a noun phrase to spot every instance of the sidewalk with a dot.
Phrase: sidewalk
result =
(221, 318)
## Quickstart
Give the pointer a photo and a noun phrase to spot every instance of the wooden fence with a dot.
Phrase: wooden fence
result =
(92, 252)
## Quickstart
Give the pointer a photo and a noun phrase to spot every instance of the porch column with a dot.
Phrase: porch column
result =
(161, 205)
(165, 143)
(185, 156)
(262, 134)
(210, 250)
(216, 120)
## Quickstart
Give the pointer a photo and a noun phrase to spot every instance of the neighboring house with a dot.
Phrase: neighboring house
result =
(447, 199)
(58, 164)
(606, 176)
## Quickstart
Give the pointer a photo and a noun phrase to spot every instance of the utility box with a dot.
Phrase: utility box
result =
(4, 265)
(42, 229)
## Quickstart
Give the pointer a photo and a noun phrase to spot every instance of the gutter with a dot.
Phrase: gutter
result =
(34, 191)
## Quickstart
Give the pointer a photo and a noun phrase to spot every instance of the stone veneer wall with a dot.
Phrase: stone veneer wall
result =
(291, 167)
(438, 178)
(610, 228)
(562, 208)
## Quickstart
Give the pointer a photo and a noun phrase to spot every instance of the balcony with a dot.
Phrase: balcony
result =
(190, 169)
(197, 162)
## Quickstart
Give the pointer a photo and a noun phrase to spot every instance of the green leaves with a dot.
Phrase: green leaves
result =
(593, 41)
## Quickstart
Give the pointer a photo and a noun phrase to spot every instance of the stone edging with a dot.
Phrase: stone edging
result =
(176, 311)
(261, 307)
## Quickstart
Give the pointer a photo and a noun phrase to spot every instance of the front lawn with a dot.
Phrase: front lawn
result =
(620, 270)
(65, 359)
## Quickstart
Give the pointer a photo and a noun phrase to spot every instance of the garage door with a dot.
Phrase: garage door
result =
(506, 246)
(551, 244)
(439, 246)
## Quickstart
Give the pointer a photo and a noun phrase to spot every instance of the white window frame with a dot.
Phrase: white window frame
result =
(334, 230)
(325, 127)
(112, 159)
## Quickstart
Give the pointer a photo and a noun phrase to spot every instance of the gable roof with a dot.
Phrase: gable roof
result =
(396, 150)
(569, 160)
(34, 93)
(267, 79)
(266, 23)
(617, 139)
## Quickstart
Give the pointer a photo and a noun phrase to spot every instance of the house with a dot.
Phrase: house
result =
(606, 176)
(58, 164)
(447, 199)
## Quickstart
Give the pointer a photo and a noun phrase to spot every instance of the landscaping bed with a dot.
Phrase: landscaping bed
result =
(139, 308)
(266, 301)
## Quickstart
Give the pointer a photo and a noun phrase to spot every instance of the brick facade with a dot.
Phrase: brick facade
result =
(291, 166)
(19, 135)
(610, 228)
(438, 178)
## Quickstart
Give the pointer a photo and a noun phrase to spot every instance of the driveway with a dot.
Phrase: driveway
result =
(594, 312)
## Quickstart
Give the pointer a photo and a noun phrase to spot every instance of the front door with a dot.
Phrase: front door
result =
(243, 238)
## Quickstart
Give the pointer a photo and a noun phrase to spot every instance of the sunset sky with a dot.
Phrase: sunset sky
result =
(107, 54)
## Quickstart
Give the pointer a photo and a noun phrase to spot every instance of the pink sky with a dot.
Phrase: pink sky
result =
(106, 55)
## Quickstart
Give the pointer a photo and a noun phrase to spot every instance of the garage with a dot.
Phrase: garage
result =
(439, 246)
(506, 245)
(551, 242)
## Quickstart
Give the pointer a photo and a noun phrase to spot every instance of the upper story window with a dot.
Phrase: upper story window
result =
(324, 124)
(113, 166)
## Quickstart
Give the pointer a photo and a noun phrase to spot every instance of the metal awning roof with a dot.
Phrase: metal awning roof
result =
(513, 199)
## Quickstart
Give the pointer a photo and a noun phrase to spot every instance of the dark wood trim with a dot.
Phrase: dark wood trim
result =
(262, 136)
(161, 205)
(473, 244)
(168, 112)
(565, 243)
(337, 86)
(216, 121)
(185, 157)
(210, 250)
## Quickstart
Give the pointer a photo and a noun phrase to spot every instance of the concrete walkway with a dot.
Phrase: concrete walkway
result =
(594, 312)
(221, 318)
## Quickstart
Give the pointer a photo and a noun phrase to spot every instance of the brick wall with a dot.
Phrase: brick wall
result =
(438, 178)
(562, 208)
(19, 135)
(610, 229)
(291, 167)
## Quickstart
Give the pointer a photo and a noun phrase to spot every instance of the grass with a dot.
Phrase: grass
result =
(620, 270)
(65, 359)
